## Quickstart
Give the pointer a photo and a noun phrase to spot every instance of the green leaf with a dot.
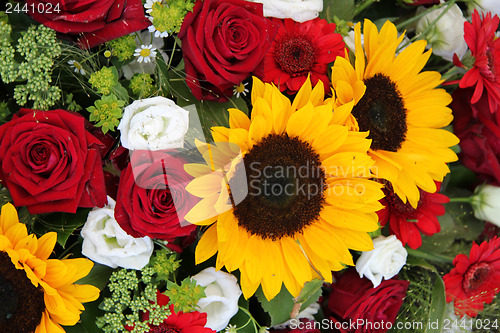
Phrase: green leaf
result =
(420, 262)
(438, 307)
(343, 9)
(279, 307)
(310, 293)
(64, 224)
(98, 276)
(241, 319)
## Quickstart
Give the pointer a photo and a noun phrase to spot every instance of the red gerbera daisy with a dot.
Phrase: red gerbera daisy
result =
(485, 48)
(407, 222)
(475, 280)
(300, 49)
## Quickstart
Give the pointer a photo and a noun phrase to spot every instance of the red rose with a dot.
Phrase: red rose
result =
(478, 129)
(152, 200)
(223, 41)
(98, 21)
(354, 300)
(50, 162)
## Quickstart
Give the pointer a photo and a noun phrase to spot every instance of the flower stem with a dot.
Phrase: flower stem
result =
(429, 256)
(363, 5)
(467, 199)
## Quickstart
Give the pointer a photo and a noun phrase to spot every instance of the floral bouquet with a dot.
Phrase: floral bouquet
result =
(256, 166)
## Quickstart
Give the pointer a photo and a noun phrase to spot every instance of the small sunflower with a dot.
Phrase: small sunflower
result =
(401, 108)
(294, 201)
(38, 294)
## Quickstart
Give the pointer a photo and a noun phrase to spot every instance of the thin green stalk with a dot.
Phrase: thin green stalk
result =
(363, 5)
(429, 256)
(467, 199)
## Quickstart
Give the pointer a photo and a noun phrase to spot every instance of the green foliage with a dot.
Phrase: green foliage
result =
(186, 296)
(417, 303)
(437, 307)
(4, 112)
(64, 224)
(279, 308)
(132, 293)
(168, 14)
(164, 264)
(106, 112)
(335, 10)
(71, 105)
(142, 85)
(123, 47)
(39, 47)
(104, 79)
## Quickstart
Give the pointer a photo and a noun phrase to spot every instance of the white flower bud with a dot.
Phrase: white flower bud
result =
(447, 35)
(384, 261)
(486, 203)
(105, 242)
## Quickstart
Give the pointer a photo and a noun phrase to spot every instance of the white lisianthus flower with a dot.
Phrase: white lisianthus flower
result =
(154, 123)
(486, 203)
(105, 242)
(297, 10)
(222, 295)
(485, 6)
(384, 261)
(447, 35)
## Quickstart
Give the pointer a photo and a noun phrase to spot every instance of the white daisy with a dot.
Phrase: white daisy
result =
(240, 89)
(158, 33)
(149, 5)
(77, 66)
(145, 53)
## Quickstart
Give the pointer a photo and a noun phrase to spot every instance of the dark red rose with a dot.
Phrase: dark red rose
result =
(354, 300)
(98, 21)
(223, 41)
(152, 200)
(478, 129)
(50, 162)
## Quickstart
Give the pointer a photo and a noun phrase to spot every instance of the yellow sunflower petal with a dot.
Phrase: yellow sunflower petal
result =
(207, 245)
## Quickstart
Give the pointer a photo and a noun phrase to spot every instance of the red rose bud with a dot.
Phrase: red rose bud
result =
(98, 21)
(152, 200)
(50, 162)
(356, 306)
(223, 42)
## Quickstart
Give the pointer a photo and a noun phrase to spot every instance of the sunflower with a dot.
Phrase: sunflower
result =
(401, 108)
(289, 207)
(38, 294)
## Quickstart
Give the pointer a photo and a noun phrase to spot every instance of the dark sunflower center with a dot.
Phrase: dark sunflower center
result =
(382, 112)
(285, 184)
(476, 276)
(295, 54)
(21, 303)
(163, 329)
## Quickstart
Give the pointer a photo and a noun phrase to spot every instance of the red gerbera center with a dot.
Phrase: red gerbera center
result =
(162, 328)
(403, 210)
(295, 54)
(476, 276)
